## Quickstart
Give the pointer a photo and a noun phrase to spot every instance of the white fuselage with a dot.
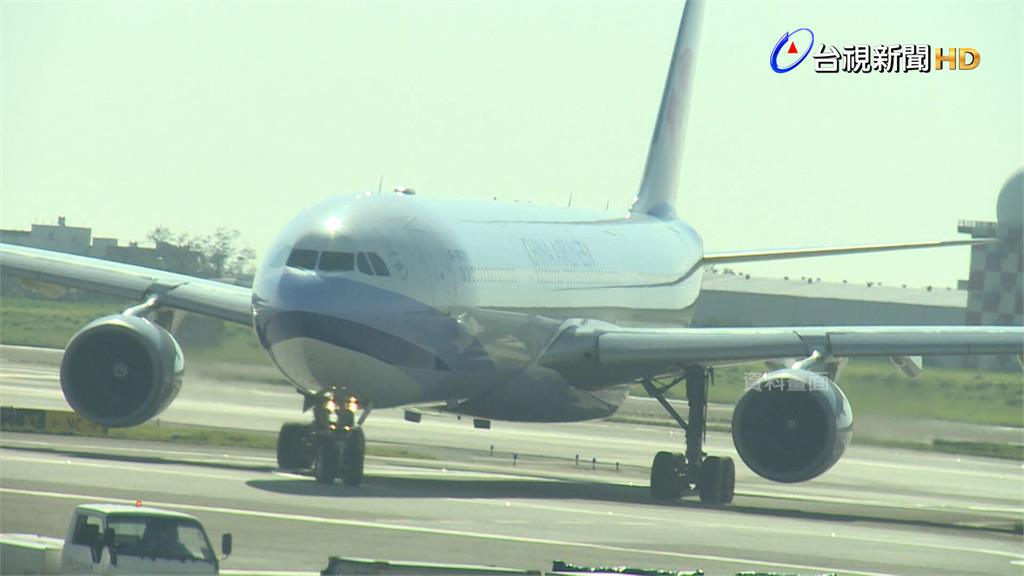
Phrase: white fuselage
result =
(473, 293)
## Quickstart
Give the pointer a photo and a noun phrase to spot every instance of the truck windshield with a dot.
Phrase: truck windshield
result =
(157, 537)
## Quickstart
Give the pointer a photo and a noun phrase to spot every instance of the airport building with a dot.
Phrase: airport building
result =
(78, 240)
(992, 294)
(730, 299)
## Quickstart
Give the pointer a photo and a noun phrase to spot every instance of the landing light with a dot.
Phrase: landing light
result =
(332, 224)
(138, 503)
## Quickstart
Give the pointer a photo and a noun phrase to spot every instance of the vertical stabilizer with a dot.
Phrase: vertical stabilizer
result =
(661, 174)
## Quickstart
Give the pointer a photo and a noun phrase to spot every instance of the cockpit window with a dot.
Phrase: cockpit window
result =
(337, 261)
(302, 259)
(364, 264)
(379, 267)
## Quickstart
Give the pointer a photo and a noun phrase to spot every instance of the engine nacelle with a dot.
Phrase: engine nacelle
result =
(792, 425)
(121, 371)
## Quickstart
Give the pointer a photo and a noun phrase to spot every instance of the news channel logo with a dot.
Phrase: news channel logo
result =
(795, 46)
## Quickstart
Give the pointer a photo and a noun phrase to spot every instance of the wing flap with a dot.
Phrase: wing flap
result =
(588, 348)
(198, 295)
(696, 347)
(925, 341)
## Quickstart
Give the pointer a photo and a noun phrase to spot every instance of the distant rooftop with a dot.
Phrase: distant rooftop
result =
(797, 288)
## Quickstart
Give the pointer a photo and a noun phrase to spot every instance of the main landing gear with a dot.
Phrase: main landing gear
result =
(674, 474)
(334, 445)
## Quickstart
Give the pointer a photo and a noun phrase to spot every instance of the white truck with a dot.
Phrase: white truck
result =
(116, 539)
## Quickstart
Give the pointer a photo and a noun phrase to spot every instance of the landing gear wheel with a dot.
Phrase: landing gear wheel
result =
(294, 449)
(717, 480)
(352, 457)
(328, 456)
(728, 480)
(667, 475)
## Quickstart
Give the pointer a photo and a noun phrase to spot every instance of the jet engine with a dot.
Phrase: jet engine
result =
(121, 370)
(792, 425)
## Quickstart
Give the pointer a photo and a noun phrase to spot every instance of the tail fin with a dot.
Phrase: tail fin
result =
(661, 174)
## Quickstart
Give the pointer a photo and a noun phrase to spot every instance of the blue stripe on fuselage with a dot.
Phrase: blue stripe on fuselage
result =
(386, 325)
(281, 326)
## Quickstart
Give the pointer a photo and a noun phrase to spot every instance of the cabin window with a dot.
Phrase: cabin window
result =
(379, 267)
(337, 261)
(364, 264)
(302, 259)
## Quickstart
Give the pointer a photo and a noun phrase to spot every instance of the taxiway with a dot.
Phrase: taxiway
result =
(879, 511)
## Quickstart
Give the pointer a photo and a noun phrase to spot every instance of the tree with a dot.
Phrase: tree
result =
(222, 254)
(218, 254)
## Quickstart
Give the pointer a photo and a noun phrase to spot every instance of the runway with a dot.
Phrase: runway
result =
(879, 511)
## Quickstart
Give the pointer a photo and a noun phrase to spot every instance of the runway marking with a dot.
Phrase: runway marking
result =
(289, 475)
(266, 573)
(270, 393)
(441, 532)
(876, 503)
(133, 469)
(449, 473)
(936, 468)
(30, 391)
(25, 376)
(141, 450)
(389, 470)
(653, 520)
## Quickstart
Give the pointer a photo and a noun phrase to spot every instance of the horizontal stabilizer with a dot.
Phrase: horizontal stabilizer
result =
(786, 254)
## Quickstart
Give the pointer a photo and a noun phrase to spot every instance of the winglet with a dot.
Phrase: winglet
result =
(657, 192)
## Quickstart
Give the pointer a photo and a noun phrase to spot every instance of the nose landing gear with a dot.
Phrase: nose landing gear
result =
(334, 445)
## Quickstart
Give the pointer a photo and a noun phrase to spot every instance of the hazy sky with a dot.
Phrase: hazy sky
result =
(194, 115)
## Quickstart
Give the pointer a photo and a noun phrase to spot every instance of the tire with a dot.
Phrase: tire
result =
(293, 449)
(352, 457)
(717, 480)
(327, 459)
(728, 480)
(666, 476)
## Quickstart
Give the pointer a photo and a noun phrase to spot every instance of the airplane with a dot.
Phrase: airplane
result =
(501, 311)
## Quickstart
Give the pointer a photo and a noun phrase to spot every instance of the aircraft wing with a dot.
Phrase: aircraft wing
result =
(651, 352)
(788, 253)
(178, 291)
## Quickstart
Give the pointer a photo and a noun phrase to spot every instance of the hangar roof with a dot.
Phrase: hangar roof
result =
(796, 288)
